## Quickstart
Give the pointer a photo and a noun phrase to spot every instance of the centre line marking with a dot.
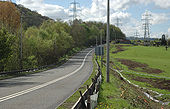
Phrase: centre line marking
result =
(43, 85)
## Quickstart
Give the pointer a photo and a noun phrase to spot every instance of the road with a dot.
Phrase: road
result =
(48, 89)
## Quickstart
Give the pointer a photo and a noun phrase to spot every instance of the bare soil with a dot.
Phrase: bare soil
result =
(136, 66)
(119, 48)
(134, 95)
(157, 83)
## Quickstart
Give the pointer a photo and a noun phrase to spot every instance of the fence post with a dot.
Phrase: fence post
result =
(83, 105)
(88, 98)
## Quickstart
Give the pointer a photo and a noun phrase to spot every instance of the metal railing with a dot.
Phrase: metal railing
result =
(15, 72)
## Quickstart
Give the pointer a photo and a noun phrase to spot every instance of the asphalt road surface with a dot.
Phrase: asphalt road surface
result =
(48, 89)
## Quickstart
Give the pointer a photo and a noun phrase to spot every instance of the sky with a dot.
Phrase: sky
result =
(128, 11)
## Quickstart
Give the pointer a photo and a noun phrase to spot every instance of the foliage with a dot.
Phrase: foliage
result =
(49, 42)
(169, 42)
(46, 41)
(86, 33)
(9, 16)
(31, 18)
(6, 42)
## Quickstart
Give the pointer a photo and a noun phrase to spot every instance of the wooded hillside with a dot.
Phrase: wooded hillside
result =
(44, 41)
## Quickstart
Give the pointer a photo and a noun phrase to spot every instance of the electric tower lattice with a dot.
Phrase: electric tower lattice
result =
(146, 18)
(75, 7)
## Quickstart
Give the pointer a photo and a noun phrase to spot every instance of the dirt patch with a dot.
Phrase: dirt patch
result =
(140, 67)
(119, 48)
(157, 83)
(110, 97)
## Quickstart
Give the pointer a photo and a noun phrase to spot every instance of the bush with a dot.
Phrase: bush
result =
(169, 42)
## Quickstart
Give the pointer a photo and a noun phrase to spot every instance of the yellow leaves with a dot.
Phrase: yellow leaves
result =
(9, 16)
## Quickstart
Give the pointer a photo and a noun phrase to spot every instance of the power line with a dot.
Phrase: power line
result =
(146, 18)
(136, 34)
(118, 22)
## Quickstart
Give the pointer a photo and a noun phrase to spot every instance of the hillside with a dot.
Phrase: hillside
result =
(31, 18)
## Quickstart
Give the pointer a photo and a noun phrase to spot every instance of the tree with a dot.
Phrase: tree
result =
(45, 45)
(6, 41)
(9, 16)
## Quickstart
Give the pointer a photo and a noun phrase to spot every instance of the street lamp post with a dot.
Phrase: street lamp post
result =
(107, 40)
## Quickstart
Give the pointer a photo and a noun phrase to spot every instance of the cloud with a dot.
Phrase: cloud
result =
(158, 18)
(52, 11)
(169, 32)
(97, 12)
(122, 5)
(165, 4)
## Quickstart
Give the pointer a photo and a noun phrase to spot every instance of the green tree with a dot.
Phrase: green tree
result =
(78, 33)
(6, 41)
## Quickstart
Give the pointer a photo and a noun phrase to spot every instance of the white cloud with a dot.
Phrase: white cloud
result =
(52, 11)
(97, 12)
(169, 32)
(158, 18)
(165, 4)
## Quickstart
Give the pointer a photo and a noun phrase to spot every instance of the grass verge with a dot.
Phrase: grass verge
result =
(118, 94)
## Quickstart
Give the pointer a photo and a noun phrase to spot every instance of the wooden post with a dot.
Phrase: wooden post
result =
(88, 98)
(83, 105)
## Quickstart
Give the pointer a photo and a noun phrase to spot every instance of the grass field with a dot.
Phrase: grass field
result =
(155, 57)
(145, 66)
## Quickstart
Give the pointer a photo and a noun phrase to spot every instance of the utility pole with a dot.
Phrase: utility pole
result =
(21, 43)
(74, 5)
(146, 17)
(101, 49)
(107, 40)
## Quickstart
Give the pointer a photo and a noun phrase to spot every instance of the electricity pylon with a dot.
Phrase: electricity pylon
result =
(146, 18)
(75, 8)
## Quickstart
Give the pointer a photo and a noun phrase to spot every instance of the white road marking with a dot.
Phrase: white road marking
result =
(43, 85)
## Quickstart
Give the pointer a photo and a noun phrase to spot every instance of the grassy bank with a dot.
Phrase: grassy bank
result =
(118, 94)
